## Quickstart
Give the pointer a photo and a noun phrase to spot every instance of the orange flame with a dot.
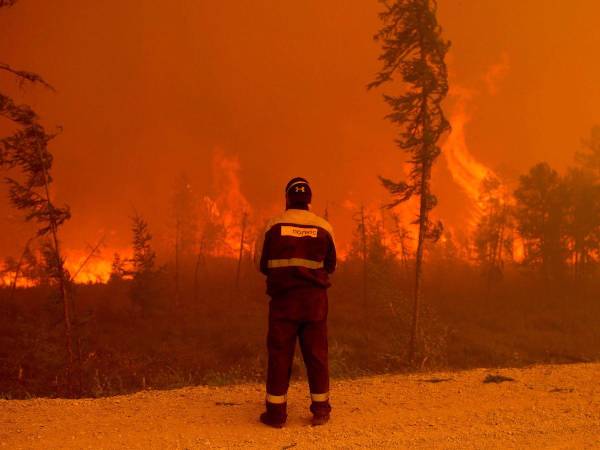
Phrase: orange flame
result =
(96, 270)
(230, 209)
(8, 279)
(466, 171)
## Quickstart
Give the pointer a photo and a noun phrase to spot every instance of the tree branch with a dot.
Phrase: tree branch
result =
(25, 76)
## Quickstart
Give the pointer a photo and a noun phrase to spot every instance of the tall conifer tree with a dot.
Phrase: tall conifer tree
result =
(414, 51)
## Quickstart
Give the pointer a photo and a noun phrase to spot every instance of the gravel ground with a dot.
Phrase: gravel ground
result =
(544, 407)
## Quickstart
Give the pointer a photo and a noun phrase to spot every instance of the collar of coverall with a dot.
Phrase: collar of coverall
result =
(299, 206)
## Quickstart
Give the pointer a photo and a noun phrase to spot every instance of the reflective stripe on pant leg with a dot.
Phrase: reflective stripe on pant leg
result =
(319, 397)
(276, 399)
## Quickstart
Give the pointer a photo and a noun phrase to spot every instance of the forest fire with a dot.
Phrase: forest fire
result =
(405, 169)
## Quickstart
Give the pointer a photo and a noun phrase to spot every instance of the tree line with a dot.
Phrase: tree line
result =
(552, 219)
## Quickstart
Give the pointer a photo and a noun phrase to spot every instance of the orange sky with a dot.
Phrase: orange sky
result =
(148, 89)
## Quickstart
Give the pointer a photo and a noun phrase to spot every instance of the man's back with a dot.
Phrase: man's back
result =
(298, 252)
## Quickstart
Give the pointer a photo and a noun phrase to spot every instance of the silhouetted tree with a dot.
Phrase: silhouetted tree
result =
(540, 215)
(212, 233)
(143, 255)
(493, 239)
(371, 253)
(583, 220)
(413, 48)
(117, 269)
(589, 157)
(401, 237)
(238, 271)
(144, 274)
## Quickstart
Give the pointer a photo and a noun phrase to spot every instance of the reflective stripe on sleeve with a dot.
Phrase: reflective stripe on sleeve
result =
(276, 399)
(319, 397)
(294, 262)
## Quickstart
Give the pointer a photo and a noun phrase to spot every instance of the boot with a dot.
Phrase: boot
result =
(275, 415)
(320, 419)
(321, 412)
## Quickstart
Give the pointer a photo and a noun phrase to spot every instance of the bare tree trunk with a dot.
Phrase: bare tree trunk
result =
(404, 256)
(13, 286)
(423, 218)
(62, 288)
(76, 328)
(239, 265)
(401, 235)
(197, 268)
(363, 232)
(177, 256)
(76, 324)
(91, 254)
(64, 295)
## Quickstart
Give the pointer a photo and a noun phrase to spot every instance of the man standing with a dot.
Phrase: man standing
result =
(298, 254)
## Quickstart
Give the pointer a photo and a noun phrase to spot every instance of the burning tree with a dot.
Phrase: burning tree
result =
(27, 151)
(414, 49)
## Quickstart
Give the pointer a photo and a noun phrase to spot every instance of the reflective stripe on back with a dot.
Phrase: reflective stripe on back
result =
(294, 262)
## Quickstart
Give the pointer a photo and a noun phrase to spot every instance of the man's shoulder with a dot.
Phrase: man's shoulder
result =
(319, 221)
(300, 217)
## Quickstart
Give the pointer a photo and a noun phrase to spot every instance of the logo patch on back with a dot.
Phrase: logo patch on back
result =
(287, 230)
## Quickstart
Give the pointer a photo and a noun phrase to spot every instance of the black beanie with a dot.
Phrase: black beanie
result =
(298, 192)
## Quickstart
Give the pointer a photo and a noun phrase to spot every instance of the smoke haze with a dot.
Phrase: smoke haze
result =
(148, 90)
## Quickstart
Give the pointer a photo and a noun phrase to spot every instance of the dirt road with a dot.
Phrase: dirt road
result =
(545, 407)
